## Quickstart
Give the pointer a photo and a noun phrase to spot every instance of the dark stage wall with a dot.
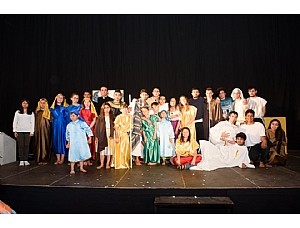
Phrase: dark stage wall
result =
(42, 55)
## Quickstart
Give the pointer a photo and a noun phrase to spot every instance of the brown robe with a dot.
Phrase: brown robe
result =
(212, 112)
(42, 138)
(100, 132)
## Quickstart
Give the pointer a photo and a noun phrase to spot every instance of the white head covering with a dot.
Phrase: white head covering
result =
(237, 90)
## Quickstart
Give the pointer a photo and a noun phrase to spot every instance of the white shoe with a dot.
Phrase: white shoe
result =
(21, 163)
(26, 163)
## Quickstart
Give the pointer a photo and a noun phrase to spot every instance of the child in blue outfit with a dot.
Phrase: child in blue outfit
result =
(77, 142)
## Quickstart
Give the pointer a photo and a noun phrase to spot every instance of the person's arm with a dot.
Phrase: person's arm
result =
(264, 110)
(32, 124)
(93, 122)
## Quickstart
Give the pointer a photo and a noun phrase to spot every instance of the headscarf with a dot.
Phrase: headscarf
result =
(237, 90)
(46, 112)
(65, 104)
(93, 109)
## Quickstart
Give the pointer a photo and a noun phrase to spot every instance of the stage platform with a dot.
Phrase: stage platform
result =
(49, 189)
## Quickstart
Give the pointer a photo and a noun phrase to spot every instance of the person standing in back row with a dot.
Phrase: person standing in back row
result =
(257, 104)
(198, 102)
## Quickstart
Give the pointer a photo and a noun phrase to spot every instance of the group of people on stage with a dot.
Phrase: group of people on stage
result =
(199, 133)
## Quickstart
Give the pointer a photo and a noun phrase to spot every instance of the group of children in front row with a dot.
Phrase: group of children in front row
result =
(75, 131)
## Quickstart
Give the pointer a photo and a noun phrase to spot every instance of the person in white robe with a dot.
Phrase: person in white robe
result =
(222, 156)
(225, 131)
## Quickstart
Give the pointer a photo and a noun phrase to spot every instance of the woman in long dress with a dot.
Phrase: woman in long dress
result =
(122, 143)
(277, 143)
(151, 147)
(42, 136)
(60, 118)
(188, 115)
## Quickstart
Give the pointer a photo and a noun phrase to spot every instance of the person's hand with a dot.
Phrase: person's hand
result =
(16, 135)
(68, 145)
(224, 135)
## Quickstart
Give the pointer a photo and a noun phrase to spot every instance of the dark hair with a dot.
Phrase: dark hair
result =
(250, 111)
(234, 112)
(154, 103)
(221, 89)
(241, 135)
(118, 91)
(181, 135)
(29, 112)
(251, 87)
(196, 88)
(279, 133)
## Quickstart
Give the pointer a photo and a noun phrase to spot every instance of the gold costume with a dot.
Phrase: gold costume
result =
(122, 149)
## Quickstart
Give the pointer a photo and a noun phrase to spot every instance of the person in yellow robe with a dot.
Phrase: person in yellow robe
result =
(122, 143)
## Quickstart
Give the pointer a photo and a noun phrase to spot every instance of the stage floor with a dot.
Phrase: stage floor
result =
(160, 180)
(153, 176)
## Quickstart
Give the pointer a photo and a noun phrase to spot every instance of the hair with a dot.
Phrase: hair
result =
(111, 115)
(279, 133)
(143, 91)
(123, 105)
(250, 111)
(251, 87)
(103, 86)
(154, 103)
(234, 112)
(118, 91)
(221, 89)
(21, 109)
(209, 88)
(74, 93)
(196, 88)
(176, 103)
(181, 135)
(241, 135)
(83, 105)
(187, 103)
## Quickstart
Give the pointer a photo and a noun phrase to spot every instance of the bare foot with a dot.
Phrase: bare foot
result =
(138, 163)
(244, 166)
(107, 167)
(99, 167)
(61, 162)
(163, 163)
(56, 163)
(262, 165)
(172, 160)
(83, 170)
(152, 163)
(72, 172)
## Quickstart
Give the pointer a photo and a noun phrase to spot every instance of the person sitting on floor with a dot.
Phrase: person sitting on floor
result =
(277, 143)
(186, 150)
(226, 155)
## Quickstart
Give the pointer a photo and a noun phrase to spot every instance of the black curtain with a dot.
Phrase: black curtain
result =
(42, 55)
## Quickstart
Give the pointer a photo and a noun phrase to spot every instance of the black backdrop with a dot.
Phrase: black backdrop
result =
(42, 55)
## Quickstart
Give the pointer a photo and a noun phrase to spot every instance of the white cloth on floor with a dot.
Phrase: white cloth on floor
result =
(215, 157)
